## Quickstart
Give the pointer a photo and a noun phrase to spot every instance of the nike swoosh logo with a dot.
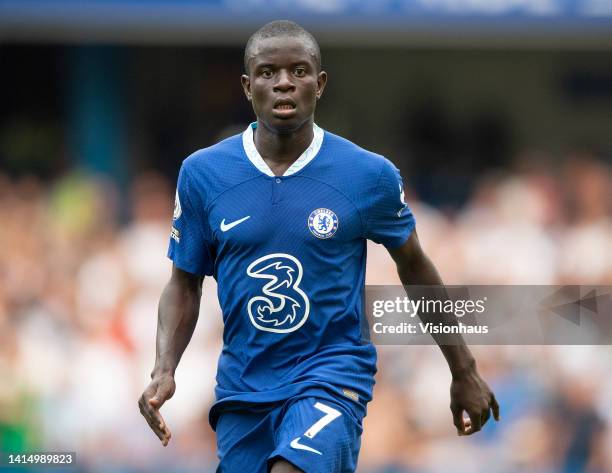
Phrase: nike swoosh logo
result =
(298, 446)
(228, 226)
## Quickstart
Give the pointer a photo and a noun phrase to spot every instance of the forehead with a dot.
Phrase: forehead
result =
(282, 49)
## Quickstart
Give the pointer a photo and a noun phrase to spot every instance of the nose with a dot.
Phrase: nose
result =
(284, 82)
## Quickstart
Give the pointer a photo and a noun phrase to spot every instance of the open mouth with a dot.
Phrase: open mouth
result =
(284, 105)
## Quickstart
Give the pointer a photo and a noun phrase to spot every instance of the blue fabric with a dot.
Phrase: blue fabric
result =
(315, 434)
(289, 257)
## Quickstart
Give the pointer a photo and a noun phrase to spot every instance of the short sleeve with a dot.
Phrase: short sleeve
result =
(389, 220)
(190, 246)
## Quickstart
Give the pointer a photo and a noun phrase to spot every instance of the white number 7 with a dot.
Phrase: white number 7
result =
(330, 415)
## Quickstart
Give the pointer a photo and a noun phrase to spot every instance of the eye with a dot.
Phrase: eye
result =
(300, 71)
(266, 73)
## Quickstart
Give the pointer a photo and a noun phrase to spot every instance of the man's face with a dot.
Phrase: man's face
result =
(283, 83)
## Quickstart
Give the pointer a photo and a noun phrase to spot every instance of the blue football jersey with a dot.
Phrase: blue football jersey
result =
(289, 255)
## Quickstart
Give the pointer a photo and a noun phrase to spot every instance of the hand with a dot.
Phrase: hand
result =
(471, 394)
(158, 391)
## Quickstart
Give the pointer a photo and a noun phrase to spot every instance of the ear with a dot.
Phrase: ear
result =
(321, 82)
(246, 86)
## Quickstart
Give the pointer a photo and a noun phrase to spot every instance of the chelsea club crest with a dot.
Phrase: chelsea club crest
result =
(323, 223)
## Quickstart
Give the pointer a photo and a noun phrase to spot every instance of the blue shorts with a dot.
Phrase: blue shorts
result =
(316, 435)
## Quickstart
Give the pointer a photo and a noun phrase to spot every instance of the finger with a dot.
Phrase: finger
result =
(165, 429)
(152, 420)
(154, 425)
(457, 419)
(166, 439)
(476, 424)
(485, 416)
(163, 393)
(494, 407)
(467, 425)
(159, 424)
(161, 430)
(149, 412)
(157, 401)
(156, 422)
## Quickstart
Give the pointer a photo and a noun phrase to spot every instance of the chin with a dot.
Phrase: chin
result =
(284, 126)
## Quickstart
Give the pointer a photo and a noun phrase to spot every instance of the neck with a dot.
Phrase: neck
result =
(282, 149)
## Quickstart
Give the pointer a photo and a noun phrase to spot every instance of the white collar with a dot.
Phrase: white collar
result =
(307, 156)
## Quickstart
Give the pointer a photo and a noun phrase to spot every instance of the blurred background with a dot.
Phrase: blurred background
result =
(497, 112)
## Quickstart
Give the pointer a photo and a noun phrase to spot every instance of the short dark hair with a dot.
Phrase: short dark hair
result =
(281, 28)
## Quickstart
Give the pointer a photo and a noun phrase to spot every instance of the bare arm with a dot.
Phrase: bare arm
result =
(469, 392)
(179, 307)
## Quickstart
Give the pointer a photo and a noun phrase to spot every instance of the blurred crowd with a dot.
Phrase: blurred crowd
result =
(83, 265)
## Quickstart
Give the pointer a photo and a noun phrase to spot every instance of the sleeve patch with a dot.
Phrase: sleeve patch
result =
(177, 207)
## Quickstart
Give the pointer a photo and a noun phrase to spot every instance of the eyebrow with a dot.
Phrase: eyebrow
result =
(269, 64)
